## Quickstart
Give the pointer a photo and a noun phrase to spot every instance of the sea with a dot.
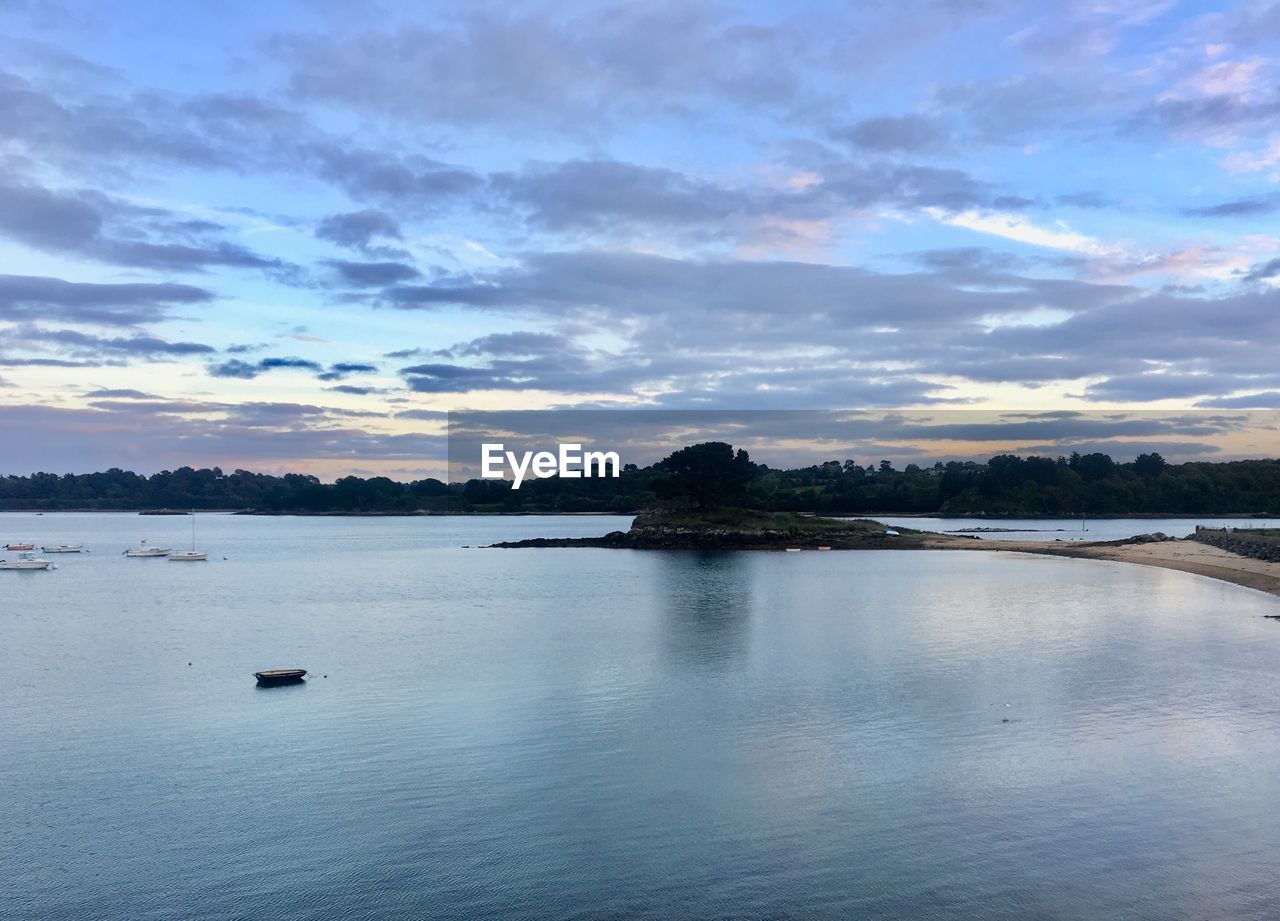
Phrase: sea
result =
(590, 733)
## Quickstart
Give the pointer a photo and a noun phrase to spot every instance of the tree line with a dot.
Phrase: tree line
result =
(710, 473)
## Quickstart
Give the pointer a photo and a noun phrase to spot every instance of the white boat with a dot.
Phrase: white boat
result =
(193, 555)
(26, 560)
(142, 550)
(64, 548)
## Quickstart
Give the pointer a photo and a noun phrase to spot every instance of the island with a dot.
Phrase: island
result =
(744, 529)
(1251, 560)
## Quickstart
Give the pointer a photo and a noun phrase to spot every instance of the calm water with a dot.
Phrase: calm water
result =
(595, 733)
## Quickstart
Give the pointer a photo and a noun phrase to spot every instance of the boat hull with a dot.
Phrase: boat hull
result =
(188, 557)
(145, 554)
(17, 547)
(25, 565)
(273, 676)
(61, 549)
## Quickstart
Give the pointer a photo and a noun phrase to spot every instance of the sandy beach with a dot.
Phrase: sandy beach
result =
(1185, 555)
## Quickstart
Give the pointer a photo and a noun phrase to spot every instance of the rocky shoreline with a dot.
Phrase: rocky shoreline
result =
(1186, 555)
(691, 539)
(744, 530)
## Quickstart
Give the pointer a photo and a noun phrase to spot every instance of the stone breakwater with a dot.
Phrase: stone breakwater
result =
(1255, 547)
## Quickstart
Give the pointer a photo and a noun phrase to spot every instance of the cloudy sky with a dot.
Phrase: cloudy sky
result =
(291, 235)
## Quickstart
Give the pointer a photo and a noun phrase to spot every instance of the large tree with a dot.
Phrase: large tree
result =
(710, 474)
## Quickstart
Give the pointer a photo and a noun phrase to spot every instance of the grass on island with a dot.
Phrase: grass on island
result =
(750, 520)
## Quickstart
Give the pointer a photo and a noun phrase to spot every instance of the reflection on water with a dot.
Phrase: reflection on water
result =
(708, 606)
(593, 733)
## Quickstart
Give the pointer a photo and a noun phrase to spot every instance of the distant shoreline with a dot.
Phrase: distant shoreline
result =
(423, 513)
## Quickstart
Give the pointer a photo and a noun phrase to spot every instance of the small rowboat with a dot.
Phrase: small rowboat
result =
(280, 675)
(64, 548)
(19, 546)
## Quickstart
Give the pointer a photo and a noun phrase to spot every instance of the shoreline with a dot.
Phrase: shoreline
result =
(1181, 555)
(835, 516)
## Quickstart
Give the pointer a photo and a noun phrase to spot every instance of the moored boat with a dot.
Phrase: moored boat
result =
(19, 546)
(63, 548)
(193, 555)
(26, 561)
(142, 550)
(280, 675)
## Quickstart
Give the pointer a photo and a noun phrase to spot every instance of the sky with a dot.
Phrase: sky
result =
(294, 235)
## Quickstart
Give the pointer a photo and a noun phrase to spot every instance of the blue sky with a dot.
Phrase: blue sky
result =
(289, 236)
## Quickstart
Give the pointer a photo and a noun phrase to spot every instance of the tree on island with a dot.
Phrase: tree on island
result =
(710, 474)
(1149, 464)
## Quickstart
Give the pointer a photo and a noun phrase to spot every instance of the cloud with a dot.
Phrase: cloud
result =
(663, 204)
(372, 274)
(248, 370)
(407, 182)
(1244, 161)
(506, 344)
(427, 415)
(358, 229)
(269, 364)
(25, 297)
(103, 135)
(449, 378)
(1091, 200)
(892, 133)
(616, 198)
(573, 73)
(77, 222)
(1240, 207)
(1264, 271)
(1267, 400)
(1154, 347)
(592, 194)
(125, 393)
(1210, 116)
(1019, 229)
(791, 437)
(105, 128)
(806, 332)
(340, 370)
(350, 367)
(768, 300)
(81, 344)
(1158, 386)
(255, 436)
